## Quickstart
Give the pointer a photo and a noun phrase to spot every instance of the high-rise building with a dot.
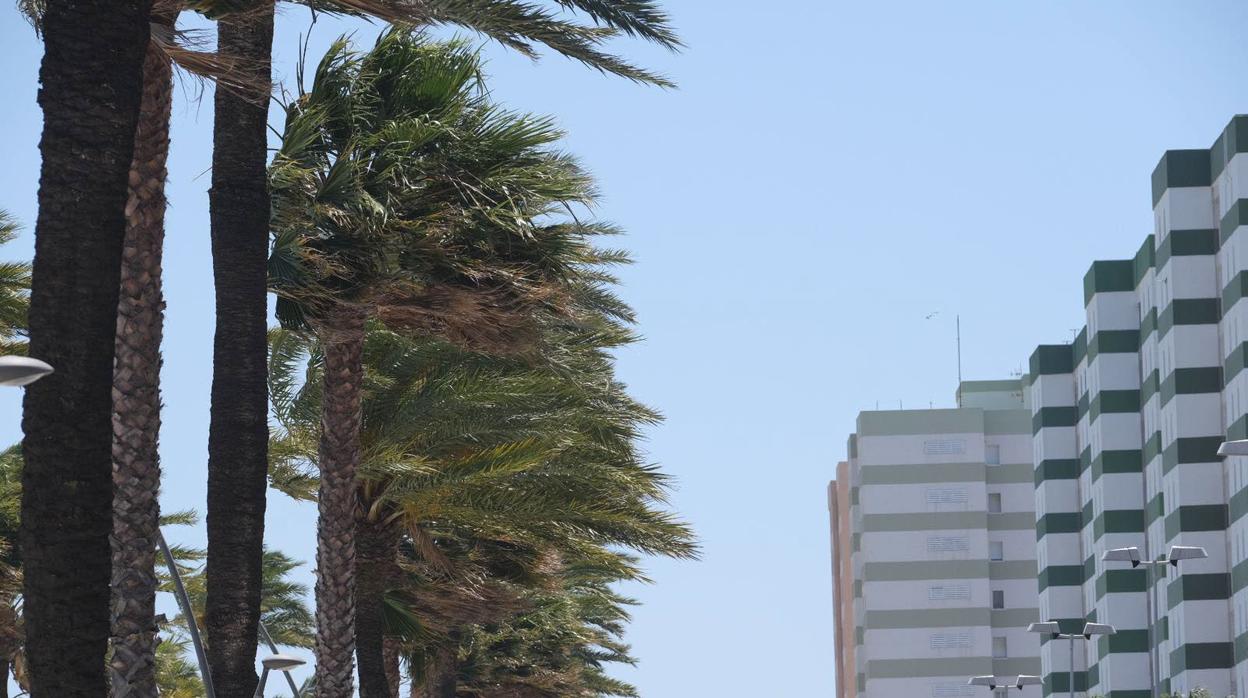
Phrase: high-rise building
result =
(1128, 420)
(935, 555)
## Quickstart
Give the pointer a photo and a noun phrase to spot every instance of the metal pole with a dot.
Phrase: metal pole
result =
(264, 678)
(1148, 596)
(192, 625)
(1072, 665)
(268, 639)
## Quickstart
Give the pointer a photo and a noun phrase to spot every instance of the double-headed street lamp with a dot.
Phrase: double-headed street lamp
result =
(1132, 555)
(1053, 630)
(993, 683)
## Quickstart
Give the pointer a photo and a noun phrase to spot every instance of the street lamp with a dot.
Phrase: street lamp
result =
(1132, 555)
(276, 662)
(1053, 630)
(993, 683)
(21, 370)
(1233, 448)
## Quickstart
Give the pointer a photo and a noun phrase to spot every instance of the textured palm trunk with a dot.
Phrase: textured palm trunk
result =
(377, 571)
(342, 337)
(136, 395)
(392, 651)
(91, 80)
(238, 430)
(442, 672)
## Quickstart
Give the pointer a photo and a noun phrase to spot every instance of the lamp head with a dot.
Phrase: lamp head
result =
(21, 370)
(1028, 680)
(1185, 552)
(1233, 448)
(1049, 627)
(281, 662)
(1091, 629)
(1131, 555)
(989, 681)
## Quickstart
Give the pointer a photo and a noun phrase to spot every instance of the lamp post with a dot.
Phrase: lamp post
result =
(276, 662)
(993, 683)
(1052, 629)
(1132, 555)
(21, 370)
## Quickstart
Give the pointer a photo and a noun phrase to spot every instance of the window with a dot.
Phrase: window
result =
(948, 544)
(992, 454)
(998, 648)
(994, 502)
(996, 551)
(945, 641)
(998, 599)
(944, 447)
(950, 592)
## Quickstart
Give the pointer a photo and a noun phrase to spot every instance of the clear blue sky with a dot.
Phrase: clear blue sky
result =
(828, 174)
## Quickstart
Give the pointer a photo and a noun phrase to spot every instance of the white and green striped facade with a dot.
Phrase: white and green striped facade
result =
(1127, 421)
(942, 545)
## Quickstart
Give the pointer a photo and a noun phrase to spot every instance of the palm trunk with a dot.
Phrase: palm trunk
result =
(136, 394)
(442, 671)
(238, 431)
(343, 341)
(91, 77)
(377, 571)
(391, 651)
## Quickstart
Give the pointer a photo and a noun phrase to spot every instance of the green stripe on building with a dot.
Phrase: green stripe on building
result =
(1202, 655)
(1196, 517)
(1181, 168)
(1191, 381)
(1108, 276)
(1114, 402)
(1058, 523)
(1236, 216)
(1060, 576)
(1057, 469)
(1187, 243)
(1196, 449)
(1188, 311)
(1114, 462)
(1054, 417)
(1145, 259)
(1198, 587)
(922, 473)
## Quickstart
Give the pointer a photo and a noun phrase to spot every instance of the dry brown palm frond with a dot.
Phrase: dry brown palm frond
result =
(480, 318)
(429, 552)
(188, 49)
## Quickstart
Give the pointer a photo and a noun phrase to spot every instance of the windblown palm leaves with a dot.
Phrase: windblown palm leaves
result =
(494, 472)
(14, 294)
(401, 193)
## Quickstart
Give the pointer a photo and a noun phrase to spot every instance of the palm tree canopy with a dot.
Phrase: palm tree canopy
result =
(401, 189)
(501, 448)
(523, 25)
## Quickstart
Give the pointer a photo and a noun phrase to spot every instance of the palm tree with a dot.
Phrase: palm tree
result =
(91, 77)
(239, 198)
(400, 193)
(467, 453)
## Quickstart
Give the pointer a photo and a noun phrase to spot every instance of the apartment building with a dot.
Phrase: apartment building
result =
(935, 547)
(1128, 420)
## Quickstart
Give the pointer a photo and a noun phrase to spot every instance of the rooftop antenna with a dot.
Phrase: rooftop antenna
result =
(959, 328)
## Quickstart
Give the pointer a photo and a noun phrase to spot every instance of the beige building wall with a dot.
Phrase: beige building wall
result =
(843, 576)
